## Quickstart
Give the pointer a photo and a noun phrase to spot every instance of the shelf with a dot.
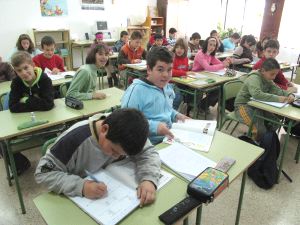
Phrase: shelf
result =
(157, 25)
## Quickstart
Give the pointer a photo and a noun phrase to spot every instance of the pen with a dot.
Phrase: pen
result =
(92, 176)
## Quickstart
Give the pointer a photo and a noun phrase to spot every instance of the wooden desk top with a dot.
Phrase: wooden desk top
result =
(135, 67)
(288, 111)
(57, 209)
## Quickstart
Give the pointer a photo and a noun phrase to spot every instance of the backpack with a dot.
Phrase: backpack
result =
(264, 171)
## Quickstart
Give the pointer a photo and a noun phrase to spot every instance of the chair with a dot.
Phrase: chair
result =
(3, 99)
(230, 90)
(297, 77)
(63, 88)
(101, 75)
(47, 145)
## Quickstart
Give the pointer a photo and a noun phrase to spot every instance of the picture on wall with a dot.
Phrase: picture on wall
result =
(92, 4)
(54, 7)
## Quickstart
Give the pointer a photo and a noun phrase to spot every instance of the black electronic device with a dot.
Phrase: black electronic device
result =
(73, 103)
(296, 103)
(87, 36)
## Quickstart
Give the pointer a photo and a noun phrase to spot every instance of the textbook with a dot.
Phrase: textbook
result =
(121, 198)
(194, 134)
(61, 75)
(275, 104)
(184, 161)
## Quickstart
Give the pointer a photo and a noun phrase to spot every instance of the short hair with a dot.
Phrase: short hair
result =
(213, 32)
(91, 57)
(20, 57)
(158, 36)
(205, 44)
(136, 35)
(235, 36)
(123, 33)
(25, 37)
(157, 30)
(248, 38)
(159, 54)
(183, 44)
(172, 30)
(270, 64)
(272, 44)
(129, 128)
(47, 40)
(195, 35)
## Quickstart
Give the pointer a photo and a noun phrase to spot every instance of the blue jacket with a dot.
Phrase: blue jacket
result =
(155, 103)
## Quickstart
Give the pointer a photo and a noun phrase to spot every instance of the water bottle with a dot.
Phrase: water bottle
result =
(32, 116)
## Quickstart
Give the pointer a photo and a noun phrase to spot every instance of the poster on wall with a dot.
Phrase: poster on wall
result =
(92, 4)
(54, 7)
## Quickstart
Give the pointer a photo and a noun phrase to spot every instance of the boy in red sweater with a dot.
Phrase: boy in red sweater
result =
(48, 59)
(271, 50)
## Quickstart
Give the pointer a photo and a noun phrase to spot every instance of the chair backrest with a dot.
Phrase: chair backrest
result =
(230, 90)
(3, 101)
(297, 78)
(47, 145)
(63, 88)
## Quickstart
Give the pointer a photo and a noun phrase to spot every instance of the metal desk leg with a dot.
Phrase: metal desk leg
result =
(219, 114)
(81, 52)
(4, 152)
(195, 109)
(238, 213)
(14, 171)
(199, 214)
(186, 221)
(298, 152)
(281, 157)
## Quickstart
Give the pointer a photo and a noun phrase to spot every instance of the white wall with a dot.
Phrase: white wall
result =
(20, 16)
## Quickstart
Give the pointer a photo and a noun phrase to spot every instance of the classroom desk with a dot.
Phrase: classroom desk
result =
(86, 44)
(223, 55)
(135, 71)
(58, 209)
(289, 112)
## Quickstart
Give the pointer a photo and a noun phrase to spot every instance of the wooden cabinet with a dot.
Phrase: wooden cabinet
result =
(145, 31)
(62, 41)
(157, 22)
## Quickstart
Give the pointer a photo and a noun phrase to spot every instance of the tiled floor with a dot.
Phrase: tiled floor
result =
(278, 206)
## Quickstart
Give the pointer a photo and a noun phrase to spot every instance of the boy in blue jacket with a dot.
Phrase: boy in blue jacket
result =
(154, 95)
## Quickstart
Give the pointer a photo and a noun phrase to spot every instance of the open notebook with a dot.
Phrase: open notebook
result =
(275, 104)
(61, 75)
(121, 198)
(194, 134)
(184, 161)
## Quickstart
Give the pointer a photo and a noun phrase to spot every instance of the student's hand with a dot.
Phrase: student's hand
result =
(55, 71)
(98, 95)
(93, 190)
(163, 130)
(181, 117)
(137, 61)
(227, 62)
(290, 84)
(292, 89)
(246, 60)
(190, 72)
(146, 193)
(282, 99)
(290, 98)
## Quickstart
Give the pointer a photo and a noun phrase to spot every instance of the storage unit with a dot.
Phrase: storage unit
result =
(62, 41)
(157, 22)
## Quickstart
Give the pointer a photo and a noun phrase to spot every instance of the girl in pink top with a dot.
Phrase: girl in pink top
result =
(205, 58)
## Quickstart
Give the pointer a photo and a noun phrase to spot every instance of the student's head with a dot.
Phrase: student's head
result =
(48, 46)
(158, 30)
(214, 33)
(195, 38)
(180, 48)
(98, 38)
(123, 132)
(210, 46)
(124, 36)
(235, 38)
(265, 40)
(158, 39)
(269, 69)
(159, 66)
(271, 49)
(23, 65)
(24, 43)
(172, 32)
(135, 40)
(248, 41)
(98, 56)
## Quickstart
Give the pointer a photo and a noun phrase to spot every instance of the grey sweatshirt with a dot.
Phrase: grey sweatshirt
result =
(62, 169)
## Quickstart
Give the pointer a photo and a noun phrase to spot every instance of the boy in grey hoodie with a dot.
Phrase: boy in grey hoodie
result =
(93, 144)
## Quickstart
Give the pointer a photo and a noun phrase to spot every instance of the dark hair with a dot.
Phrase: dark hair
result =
(47, 40)
(19, 45)
(157, 30)
(195, 35)
(123, 33)
(91, 57)
(235, 36)
(272, 44)
(20, 57)
(136, 35)
(270, 64)
(158, 36)
(183, 44)
(212, 32)
(95, 40)
(205, 44)
(129, 128)
(172, 30)
(248, 38)
(159, 54)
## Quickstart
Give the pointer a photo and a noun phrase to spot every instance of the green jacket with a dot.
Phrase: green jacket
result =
(257, 87)
(84, 82)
